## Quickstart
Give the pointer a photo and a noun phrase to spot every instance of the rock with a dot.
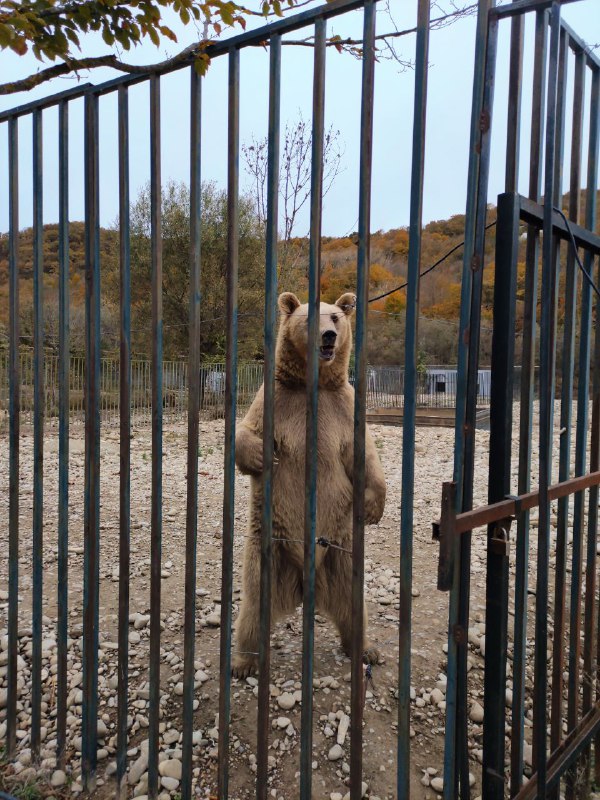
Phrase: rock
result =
(437, 784)
(335, 753)
(436, 697)
(286, 701)
(58, 779)
(169, 783)
(343, 728)
(214, 620)
(282, 722)
(171, 768)
(476, 713)
(171, 736)
(137, 769)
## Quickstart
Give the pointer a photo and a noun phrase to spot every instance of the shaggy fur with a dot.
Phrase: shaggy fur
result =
(334, 478)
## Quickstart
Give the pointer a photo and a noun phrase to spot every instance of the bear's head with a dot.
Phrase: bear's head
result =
(335, 340)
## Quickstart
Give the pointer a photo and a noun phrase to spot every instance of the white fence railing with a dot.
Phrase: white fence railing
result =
(385, 387)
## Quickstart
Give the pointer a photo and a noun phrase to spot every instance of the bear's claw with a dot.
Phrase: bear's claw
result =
(243, 667)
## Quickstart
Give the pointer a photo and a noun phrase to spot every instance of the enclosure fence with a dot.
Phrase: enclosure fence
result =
(436, 388)
(564, 693)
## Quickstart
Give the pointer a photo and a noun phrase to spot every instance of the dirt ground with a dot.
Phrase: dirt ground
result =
(434, 461)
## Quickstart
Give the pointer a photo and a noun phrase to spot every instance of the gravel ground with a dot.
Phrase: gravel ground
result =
(434, 458)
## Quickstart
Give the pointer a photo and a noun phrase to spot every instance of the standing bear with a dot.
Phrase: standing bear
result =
(333, 581)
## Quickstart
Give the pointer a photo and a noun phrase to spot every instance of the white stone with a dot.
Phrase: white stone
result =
(58, 778)
(171, 768)
(335, 753)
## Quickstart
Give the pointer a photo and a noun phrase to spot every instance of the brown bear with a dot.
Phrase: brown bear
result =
(334, 478)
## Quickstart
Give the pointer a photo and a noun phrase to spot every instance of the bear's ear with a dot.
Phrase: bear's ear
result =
(288, 303)
(347, 302)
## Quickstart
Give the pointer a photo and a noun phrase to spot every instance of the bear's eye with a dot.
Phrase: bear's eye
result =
(334, 318)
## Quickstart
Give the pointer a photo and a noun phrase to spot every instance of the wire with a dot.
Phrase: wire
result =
(576, 254)
(429, 269)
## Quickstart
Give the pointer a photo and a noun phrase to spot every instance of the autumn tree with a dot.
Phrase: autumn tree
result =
(55, 30)
(176, 249)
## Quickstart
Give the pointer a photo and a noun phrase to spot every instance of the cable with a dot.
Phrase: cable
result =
(576, 254)
(429, 269)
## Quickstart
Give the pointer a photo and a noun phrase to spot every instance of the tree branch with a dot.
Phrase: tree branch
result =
(199, 50)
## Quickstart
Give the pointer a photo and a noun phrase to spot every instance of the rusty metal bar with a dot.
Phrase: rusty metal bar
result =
(591, 637)
(410, 400)
(233, 175)
(565, 409)
(513, 121)
(191, 516)
(91, 566)
(501, 428)
(485, 515)
(312, 403)
(157, 443)
(562, 758)
(62, 688)
(360, 404)
(526, 407)
(124, 438)
(264, 647)
(14, 438)
(38, 439)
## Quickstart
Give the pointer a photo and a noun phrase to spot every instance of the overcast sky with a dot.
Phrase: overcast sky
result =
(448, 120)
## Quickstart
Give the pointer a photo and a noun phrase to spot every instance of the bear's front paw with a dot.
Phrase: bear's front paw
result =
(250, 462)
(374, 505)
(242, 666)
(371, 655)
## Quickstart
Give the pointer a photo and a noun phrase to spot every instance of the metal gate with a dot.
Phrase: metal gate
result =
(50, 707)
(564, 692)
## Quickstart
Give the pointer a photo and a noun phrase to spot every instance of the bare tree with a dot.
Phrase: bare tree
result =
(295, 175)
(294, 181)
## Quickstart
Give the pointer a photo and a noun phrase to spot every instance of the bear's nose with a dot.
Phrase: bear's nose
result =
(329, 337)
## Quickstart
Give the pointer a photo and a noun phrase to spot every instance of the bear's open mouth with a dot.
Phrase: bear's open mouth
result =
(327, 352)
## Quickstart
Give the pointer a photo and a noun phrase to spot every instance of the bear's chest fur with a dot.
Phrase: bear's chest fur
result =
(335, 425)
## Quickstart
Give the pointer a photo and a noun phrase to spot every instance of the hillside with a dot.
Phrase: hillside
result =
(440, 289)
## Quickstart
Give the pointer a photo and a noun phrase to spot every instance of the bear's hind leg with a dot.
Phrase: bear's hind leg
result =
(244, 661)
(334, 598)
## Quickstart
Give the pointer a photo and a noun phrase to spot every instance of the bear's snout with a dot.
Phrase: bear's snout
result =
(327, 350)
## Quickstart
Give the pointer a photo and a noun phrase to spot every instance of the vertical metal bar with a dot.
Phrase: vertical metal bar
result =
(191, 520)
(14, 433)
(124, 436)
(547, 344)
(582, 429)
(312, 381)
(501, 406)
(513, 123)
(157, 414)
(566, 405)
(63, 430)
(477, 266)
(91, 567)
(360, 397)
(264, 649)
(452, 704)
(410, 399)
(38, 436)
(526, 406)
(233, 180)
(591, 580)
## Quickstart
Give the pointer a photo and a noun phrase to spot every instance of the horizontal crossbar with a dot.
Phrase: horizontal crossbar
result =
(254, 37)
(485, 515)
(533, 213)
(564, 755)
